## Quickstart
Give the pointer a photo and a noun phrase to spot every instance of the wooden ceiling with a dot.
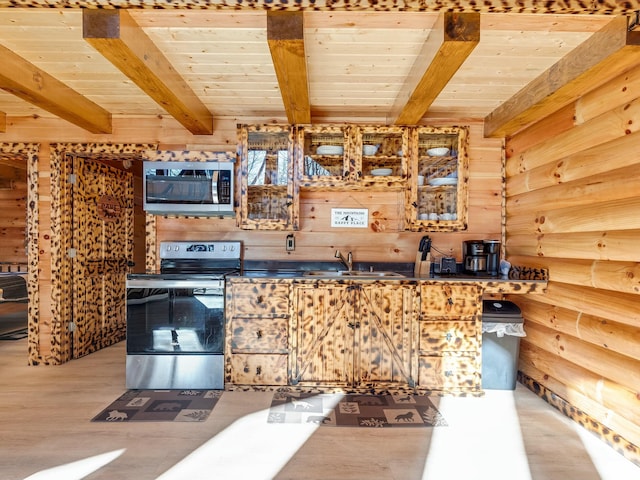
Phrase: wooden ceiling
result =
(91, 65)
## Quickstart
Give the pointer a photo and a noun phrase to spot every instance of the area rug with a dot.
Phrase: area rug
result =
(355, 410)
(161, 406)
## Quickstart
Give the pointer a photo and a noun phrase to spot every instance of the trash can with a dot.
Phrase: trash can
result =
(502, 327)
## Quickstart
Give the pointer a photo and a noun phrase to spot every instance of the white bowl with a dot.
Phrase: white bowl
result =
(369, 149)
(420, 180)
(330, 150)
(437, 152)
(381, 172)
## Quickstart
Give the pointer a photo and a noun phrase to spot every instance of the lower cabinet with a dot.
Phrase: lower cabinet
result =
(450, 339)
(355, 336)
(257, 333)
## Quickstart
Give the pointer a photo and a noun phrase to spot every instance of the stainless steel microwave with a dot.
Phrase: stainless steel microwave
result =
(188, 188)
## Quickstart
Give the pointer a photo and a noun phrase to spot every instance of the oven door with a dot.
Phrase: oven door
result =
(175, 333)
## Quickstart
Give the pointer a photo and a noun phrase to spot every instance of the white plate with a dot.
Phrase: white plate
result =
(330, 150)
(437, 152)
(436, 182)
(381, 172)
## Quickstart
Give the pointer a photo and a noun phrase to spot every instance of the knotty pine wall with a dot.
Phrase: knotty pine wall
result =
(13, 213)
(384, 240)
(573, 207)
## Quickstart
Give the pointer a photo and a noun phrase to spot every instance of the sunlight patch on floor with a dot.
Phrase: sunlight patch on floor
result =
(606, 461)
(487, 438)
(250, 448)
(76, 470)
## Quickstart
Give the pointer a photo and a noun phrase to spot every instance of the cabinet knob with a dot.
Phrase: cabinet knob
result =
(260, 299)
(258, 370)
(259, 334)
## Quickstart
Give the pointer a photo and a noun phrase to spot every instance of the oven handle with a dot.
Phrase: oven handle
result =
(160, 283)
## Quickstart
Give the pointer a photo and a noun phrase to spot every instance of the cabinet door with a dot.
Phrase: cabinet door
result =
(383, 152)
(385, 339)
(268, 195)
(325, 335)
(327, 156)
(437, 197)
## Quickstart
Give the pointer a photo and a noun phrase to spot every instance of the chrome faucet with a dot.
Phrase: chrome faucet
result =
(347, 262)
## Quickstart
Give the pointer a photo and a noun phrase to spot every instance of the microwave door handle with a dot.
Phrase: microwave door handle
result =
(214, 187)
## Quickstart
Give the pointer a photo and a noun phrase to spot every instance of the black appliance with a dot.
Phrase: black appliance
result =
(190, 188)
(176, 319)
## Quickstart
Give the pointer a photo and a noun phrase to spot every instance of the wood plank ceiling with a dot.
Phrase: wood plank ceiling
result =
(316, 66)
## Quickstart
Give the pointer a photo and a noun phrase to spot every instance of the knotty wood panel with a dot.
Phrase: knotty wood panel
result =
(572, 203)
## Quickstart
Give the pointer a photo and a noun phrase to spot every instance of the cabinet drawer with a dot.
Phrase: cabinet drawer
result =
(258, 369)
(260, 335)
(450, 300)
(260, 299)
(449, 372)
(448, 336)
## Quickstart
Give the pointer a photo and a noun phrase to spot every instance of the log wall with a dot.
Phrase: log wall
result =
(573, 207)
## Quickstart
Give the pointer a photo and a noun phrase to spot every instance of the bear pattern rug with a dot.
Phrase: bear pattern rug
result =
(355, 410)
(161, 406)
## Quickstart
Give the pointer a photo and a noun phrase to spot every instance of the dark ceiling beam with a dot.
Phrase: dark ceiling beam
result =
(285, 35)
(450, 42)
(606, 54)
(23, 79)
(120, 40)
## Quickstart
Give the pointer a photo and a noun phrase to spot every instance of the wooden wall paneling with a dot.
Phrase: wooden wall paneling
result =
(621, 183)
(620, 307)
(616, 367)
(580, 165)
(607, 421)
(572, 203)
(615, 245)
(604, 333)
(616, 123)
(614, 93)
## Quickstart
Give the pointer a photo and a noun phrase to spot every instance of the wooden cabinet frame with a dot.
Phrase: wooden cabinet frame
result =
(280, 197)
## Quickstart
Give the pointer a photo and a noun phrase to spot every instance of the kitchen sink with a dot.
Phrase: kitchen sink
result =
(353, 273)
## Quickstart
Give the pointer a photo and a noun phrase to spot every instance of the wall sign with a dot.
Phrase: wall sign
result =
(349, 217)
(109, 208)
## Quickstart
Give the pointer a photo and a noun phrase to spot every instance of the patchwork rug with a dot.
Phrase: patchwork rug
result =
(355, 410)
(161, 406)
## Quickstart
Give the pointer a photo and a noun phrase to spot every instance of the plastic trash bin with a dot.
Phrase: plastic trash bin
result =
(502, 328)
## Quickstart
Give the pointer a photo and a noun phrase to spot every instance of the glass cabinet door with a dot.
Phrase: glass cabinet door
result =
(383, 151)
(268, 192)
(437, 197)
(327, 156)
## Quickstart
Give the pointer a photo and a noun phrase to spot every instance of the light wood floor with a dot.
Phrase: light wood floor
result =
(46, 433)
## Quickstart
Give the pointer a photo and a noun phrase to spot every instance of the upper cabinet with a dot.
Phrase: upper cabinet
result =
(429, 163)
(268, 194)
(437, 195)
(352, 156)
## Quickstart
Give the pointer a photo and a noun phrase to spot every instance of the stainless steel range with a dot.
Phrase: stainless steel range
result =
(175, 319)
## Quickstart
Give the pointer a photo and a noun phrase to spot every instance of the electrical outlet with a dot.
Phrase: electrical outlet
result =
(290, 244)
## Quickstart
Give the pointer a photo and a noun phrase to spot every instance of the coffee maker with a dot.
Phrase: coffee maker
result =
(481, 257)
(492, 250)
(474, 258)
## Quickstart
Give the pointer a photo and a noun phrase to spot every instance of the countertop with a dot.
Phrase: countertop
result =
(519, 280)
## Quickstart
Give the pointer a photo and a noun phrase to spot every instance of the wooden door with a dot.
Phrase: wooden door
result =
(325, 334)
(385, 338)
(103, 245)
